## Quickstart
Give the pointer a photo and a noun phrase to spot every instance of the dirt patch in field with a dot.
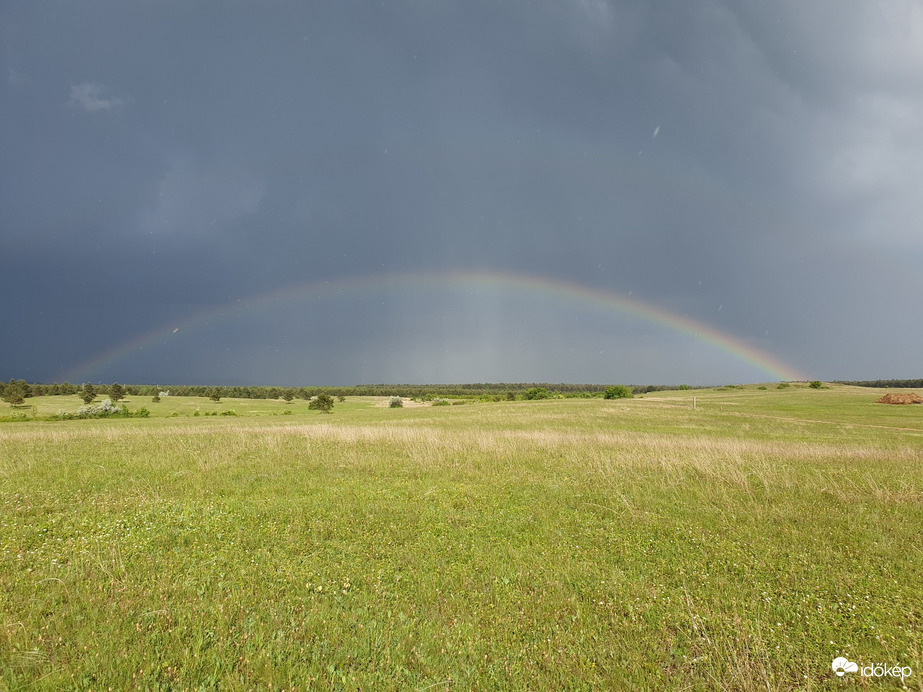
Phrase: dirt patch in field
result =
(910, 398)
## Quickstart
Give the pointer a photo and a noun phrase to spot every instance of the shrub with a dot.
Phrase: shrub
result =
(323, 402)
(104, 409)
(783, 385)
(440, 402)
(817, 384)
(535, 393)
(230, 412)
(763, 387)
(618, 391)
(395, 402)
(155, 399)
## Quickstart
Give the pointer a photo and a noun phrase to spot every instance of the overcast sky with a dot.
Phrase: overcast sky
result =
(753, 168)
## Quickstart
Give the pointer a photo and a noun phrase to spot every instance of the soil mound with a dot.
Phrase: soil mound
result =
(910, 398)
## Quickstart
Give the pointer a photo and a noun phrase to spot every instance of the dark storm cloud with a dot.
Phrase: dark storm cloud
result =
(751, 166)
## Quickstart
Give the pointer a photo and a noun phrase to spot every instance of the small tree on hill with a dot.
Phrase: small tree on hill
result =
(116, 391)
(14, 394)
(88, 393)
(323, 402)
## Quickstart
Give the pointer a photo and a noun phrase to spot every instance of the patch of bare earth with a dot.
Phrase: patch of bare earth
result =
(891, 398)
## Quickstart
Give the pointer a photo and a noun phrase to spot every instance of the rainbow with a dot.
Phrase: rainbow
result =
(461, 280)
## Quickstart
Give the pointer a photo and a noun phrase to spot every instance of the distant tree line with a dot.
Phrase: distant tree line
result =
(491, 391)
(881, 384)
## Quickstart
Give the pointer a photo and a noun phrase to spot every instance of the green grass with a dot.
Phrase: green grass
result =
(557, 544)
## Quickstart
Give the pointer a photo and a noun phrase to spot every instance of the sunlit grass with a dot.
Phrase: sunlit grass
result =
(578, 544)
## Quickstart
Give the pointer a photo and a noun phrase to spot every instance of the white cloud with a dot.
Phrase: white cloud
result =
(91, 96)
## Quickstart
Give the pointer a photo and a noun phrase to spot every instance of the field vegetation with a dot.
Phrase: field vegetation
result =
(627, 543)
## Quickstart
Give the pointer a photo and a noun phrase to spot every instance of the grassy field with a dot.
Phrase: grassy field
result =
(637, 544)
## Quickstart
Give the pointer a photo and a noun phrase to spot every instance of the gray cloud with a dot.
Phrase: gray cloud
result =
(760, 157)
(191, 201)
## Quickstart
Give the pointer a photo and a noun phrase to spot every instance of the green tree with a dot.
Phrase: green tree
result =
(14, 394)
(323, 402)
(116, 392)
(536, 393)
(288, 395)
(817, 384)
(88, 393)
(214, 394)
(618, 391)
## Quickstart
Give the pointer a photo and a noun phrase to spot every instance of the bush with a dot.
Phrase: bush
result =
(535, 393)
(395, 402)
(104, 409)
(155, 399)
(817, 384)
(440, 402)
(323, 402)
(618, 391)
(783, 385)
